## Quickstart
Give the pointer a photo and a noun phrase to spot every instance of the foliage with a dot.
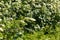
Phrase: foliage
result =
(20, 17)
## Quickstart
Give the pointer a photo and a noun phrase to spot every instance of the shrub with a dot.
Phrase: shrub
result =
(22, 16)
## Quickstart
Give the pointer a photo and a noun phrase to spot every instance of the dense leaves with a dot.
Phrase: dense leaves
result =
(18, 17)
